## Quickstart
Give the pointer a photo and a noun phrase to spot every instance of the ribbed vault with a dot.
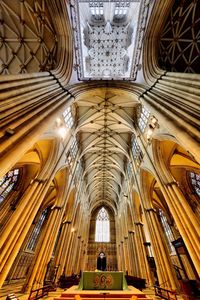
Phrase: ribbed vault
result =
(105, 124)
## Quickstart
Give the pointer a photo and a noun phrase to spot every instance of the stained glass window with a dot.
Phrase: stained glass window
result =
(195, 181)
(136, 150)
(167, 230)
(36, 231)
(102, 233)
(7, 183)
(143, 119)
(74, 148)
(68, 117)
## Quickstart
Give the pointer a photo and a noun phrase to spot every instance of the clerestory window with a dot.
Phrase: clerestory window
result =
(68, 117)
(167, 230)
(143, 119)
(136, 150)
(195, 181)
(31, 245)
(7, 183)
(74, 148)
(102, 233)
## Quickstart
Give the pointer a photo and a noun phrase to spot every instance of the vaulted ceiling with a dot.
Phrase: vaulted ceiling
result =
(179, 47)
(106, 119)
(28, 42)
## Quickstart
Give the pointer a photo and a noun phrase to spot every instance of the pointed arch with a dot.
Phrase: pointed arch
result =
(102, 230)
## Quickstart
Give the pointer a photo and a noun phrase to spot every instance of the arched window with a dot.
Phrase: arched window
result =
(68, 117)
(195, 181)
(143, 118)
(167, 230)
(36, 231)
(102, 233)
(7, 183)
(136, 150)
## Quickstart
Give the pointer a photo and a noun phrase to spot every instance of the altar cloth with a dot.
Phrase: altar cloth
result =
(106, 280)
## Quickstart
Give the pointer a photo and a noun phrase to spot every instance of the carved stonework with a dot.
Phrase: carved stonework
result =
(28, 41)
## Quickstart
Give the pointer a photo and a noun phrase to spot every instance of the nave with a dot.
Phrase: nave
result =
(99, 142)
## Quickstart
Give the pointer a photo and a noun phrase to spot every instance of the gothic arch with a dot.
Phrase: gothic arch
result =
(175, 163)
(148, 181)
(151, 68)
(61, 182)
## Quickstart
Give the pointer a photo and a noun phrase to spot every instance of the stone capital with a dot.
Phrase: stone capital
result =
(66, 222)
(139, 223)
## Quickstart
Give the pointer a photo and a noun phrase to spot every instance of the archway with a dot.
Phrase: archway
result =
(177, 169)
(151, 201)
(106, 246)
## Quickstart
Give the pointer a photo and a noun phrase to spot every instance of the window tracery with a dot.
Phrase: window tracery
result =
(7, 183)
(102, 233)
(68, 117)
(195, 181)
(167, 229)
(136, 150)
(31, 245)
(74, 148)
(129, 169)
(143, 119)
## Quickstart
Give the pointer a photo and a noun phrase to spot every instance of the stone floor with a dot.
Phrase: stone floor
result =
(16, 289)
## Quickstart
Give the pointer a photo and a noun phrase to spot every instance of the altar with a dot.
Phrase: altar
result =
(103, 281)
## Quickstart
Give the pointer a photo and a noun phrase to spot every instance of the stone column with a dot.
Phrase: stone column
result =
(20, 134)
(127, 255)
(83, 263)
(18, 226)
(61, 256)
(166, 274)
(122, 256)
(75, 253)
(79, 255)
(133, 255)
(45, 250)
(186, 221)
(144, 266)
(68, 264)
(119, 261)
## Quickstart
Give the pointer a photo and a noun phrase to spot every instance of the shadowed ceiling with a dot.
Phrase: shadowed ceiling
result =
(179, 49)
